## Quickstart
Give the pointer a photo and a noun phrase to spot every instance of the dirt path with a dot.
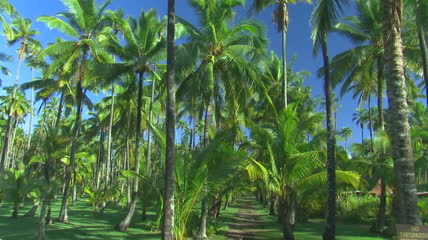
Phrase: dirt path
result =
(247, 224)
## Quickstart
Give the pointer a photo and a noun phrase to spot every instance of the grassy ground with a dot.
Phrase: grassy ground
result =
(311, 230)
(83, 224)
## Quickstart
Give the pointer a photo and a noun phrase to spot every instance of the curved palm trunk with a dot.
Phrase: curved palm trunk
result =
(406, 199)
(124, 224)
(6, 140)
(422, 45)
(63, 217)
(168, 208)
(330, 228)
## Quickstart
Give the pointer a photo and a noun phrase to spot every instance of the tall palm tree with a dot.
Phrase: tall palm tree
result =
(361, 68)
(420, 9)
(221, 52)
(280, 19)
(406, 199)
(346, 133)
(168, 209)
(21, 33)
(83, 22)
(323, 19)
(143, 50)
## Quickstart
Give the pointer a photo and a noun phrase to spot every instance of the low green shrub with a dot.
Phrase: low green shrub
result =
(423, 209)
(358, 209)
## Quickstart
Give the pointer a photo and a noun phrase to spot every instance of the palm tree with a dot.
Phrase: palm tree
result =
(280, 19)
(83, 23)
(406, 199)
(358, 66)
(221, 52)
(21, 33)
(346, 133)
(294, 162)
(143, 50)
(420, 8)
(168, 222)
(323, 19)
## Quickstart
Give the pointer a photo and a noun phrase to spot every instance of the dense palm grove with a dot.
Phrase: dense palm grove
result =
(243, 125)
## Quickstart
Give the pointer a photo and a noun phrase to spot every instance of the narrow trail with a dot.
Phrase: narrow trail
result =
(248, 224)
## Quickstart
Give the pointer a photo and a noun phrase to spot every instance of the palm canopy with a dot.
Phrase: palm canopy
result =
(84, 23)
(323, 19)
(219, 52)
(144, 48)
(357, 67)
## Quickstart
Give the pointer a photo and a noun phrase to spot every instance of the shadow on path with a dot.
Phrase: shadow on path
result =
(247, 223)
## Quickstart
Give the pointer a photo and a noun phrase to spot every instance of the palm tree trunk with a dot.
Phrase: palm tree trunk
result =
(149, 151)
(63, 217)
(422, 44)
(11, 160)
(202, 233)
(380, 221)
(288, 221)
(370, 123)
(168, 209)
(124, 224)
(406, 205)
(330, 228)
(109, 141)
(6, 140)
(30, 126)
(284, 52)
(380, 67)
(58, 116)
(284, 27)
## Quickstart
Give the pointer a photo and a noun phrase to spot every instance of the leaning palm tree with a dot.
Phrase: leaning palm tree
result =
(22, 33)
(323, 19)
(83, 22)
(280, 19)
(406, 199)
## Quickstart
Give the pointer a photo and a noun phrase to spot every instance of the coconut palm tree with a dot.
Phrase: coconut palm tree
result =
(280, 19)
(144, 48)
(346, 134)
(83, 23)
(20, 32)
(219, 50)
(406, 199)
(168, 222)
(323, 19)
(294, 161)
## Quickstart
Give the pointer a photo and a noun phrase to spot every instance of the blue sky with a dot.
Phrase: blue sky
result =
(298, 41)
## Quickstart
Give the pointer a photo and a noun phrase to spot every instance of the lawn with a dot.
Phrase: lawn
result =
(312, 230)
(83, 225)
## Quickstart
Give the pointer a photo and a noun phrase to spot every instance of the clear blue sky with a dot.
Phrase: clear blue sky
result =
(298, 41)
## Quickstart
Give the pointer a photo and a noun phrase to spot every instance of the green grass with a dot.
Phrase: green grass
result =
(311, 230)
(83, 225)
